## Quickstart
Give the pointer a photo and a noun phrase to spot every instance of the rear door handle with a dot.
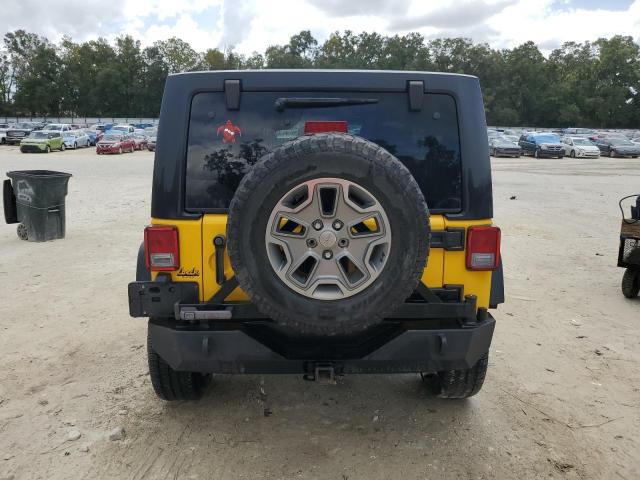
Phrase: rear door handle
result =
(219, 243)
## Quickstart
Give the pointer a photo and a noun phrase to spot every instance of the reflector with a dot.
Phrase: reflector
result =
(312, 126)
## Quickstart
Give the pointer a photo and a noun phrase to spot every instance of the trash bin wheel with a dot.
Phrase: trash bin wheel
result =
(22, 232)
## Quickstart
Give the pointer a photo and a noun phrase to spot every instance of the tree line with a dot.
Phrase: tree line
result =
(589, 84)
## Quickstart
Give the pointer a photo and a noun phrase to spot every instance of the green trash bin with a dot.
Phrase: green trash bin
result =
(36, 200)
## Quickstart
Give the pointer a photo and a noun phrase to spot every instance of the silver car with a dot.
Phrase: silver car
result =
(580, 147)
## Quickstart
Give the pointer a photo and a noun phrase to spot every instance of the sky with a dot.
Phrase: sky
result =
(253, 25)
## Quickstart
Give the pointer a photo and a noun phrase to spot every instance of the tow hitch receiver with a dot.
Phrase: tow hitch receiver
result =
(323, 373)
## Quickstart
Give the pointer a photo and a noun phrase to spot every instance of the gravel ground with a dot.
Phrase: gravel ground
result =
(561, 400)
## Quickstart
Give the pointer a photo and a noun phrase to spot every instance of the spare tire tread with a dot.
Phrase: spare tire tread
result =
(380, 161)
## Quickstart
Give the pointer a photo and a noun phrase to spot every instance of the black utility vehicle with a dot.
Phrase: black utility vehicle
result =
(541, 145)
(321, 223)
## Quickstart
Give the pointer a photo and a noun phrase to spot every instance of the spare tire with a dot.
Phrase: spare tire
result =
(328, 234)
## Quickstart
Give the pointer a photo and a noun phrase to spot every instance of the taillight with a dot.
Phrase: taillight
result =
(161, 248)
(313, 126)
(483, 248)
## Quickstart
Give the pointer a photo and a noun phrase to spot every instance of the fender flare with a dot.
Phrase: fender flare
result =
(142, 273)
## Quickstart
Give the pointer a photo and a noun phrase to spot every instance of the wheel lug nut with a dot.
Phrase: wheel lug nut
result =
(312, 243)
(317, 224)
(337, 225)
(327, 254)
(343, 242)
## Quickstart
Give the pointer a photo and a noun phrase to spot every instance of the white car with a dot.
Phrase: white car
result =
(122, 129)
(60, 128)
(580, 147)
(3, 132)
(76, 138)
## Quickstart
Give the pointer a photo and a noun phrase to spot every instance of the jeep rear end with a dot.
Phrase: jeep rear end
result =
(396, 166)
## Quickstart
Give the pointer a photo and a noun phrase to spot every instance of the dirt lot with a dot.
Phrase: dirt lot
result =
(561, 400)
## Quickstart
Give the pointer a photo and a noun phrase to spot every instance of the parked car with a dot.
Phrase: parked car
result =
(580, 147)
(3, 132)
(503, 147)
(113, 142)
(577, 131)
(151, 134)
(618, 147)
(57, 127)
(93, 136)
(19, 131)
(541, 145)
(121, 128)
(76, 138)
(41, 141)
(140, 141)
(103, 127)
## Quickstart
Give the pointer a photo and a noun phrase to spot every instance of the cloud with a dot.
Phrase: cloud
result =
(346, 8)
(481, 33)
(236, 26)
(79, 19)
(458, 14)
(253, 25)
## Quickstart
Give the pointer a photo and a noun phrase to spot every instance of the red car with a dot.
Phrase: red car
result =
(115, 143)
(140, 141)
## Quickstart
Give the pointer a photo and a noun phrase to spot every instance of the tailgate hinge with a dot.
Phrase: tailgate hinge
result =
(232, 90)
(416, 95)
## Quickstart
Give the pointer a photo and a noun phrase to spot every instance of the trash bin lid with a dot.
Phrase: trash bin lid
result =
(37, 173)
(39, 188)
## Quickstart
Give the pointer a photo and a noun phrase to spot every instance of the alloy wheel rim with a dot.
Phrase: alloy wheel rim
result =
(328, 238)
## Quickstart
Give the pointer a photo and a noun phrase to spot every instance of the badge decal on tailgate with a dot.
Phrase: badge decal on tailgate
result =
(229, 132)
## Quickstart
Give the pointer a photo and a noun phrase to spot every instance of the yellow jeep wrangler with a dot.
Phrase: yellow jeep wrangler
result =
(321, 223)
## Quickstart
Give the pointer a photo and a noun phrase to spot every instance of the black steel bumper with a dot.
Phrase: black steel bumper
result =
(434, 330)
(259, 349)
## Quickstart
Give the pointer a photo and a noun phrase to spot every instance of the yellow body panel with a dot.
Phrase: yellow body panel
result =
(197, 258)
(213, 225)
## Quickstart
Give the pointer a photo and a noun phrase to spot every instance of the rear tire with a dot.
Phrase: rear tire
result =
(171, 385)
(463, 383)
(631, 283)
(572, 154)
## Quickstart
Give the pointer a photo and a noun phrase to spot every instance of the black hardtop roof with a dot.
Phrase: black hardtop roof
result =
(170, 158)
(325, 79)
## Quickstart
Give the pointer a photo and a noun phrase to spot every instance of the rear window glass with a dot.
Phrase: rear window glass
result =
(224, 144)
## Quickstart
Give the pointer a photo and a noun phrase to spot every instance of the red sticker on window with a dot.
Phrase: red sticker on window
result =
(229, 132)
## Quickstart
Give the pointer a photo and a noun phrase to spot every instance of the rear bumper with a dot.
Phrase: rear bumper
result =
(421, 336)
(259, 349)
